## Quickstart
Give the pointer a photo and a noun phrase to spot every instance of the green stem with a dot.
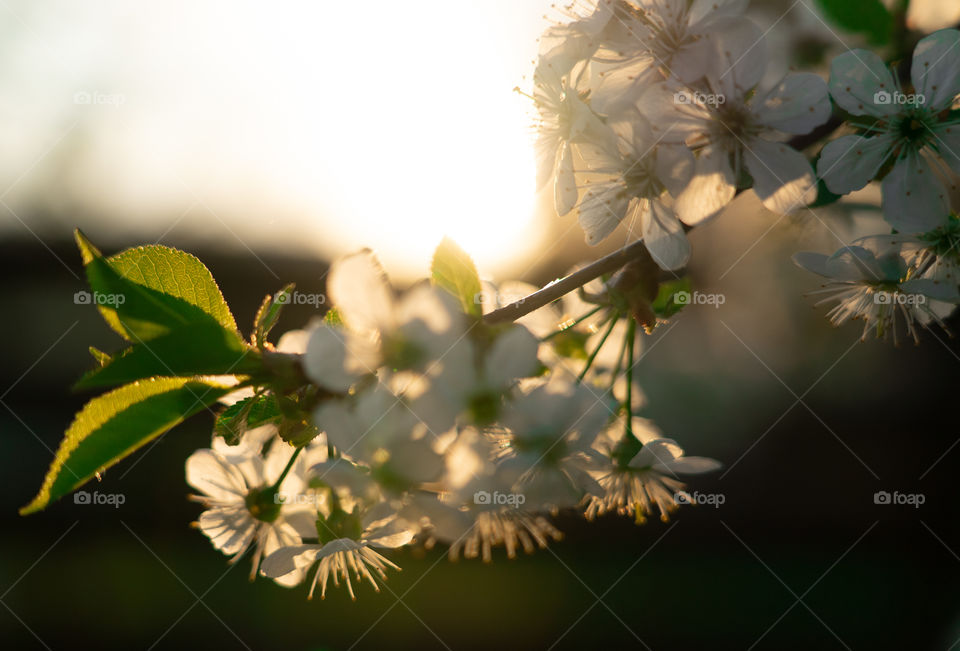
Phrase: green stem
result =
(631, 335)
(596, 351)
(283, 475)
(575, 323)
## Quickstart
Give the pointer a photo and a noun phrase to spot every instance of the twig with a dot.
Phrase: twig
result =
(558, 288)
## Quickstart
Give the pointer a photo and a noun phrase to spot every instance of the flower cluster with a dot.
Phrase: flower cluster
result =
(908, 137)
(428, 424)
(650, 115)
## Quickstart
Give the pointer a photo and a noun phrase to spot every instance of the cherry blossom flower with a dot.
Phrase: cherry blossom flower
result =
(911, 131)
(872, 280)
(633, 187)
(347, 544)
(380, 330)
(243, 508)
(731, 126)
(648, 481)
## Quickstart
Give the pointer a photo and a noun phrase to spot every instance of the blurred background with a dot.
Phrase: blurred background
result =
(269, 139)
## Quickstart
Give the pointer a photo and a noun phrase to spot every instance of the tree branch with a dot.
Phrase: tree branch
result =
(558, 288)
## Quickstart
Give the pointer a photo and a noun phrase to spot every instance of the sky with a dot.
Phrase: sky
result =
(314, 128)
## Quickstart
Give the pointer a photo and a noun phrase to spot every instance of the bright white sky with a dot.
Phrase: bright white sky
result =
(318, 126)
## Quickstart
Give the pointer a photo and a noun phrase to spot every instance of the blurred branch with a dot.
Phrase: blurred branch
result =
(577, 279)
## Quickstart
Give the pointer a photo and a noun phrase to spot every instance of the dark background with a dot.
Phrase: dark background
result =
(799, 518)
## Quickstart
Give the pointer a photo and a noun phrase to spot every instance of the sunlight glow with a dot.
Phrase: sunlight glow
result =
(312, 128)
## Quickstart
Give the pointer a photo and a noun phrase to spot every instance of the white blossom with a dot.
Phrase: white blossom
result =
(907, 130)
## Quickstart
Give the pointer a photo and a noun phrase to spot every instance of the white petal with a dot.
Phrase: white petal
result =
(849, 163)
(798, 105)
(674, 168)
(289, 559)
(230, 529)
(740, 59)
(513, 355)
(694, 465)
(622, 85)
(601, 212)
(547, 148)
(664, 236)
(782, 176)
(914, 200)
(340, 425)
(947, 144)
(860, 82)
(213, 476)
(706, 11)
(935, 72)
(815, 262)
(358, 288)
(710, 190)
(329, 362)
(565, 185)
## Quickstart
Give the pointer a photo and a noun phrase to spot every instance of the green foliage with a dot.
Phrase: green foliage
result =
(453, 270)
(269, 314)
(667, 304)
(167, 303)
(115, 424)
(246, 414)
(868, 17)
(194, 349)
(151, 290)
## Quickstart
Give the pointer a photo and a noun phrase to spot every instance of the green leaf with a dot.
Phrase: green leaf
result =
(269, 313)
(115, 424)
(101, 357)
(453, 270)
(246, 414)
(195, 349)
(148, 291)
(867, 17)
(670, 297)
